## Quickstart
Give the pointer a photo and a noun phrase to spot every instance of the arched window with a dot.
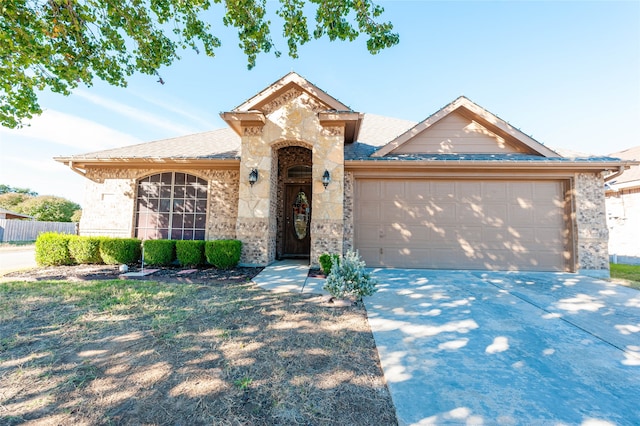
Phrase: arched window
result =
(171, 205)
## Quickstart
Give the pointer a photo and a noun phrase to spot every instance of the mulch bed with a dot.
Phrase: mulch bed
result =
(202, 275)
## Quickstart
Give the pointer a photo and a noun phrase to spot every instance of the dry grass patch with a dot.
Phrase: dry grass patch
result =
(142, 352)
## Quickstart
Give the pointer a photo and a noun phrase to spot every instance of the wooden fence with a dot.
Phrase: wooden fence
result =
(28, 230)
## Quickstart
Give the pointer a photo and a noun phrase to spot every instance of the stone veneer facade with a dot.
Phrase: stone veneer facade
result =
(291, 121)
(111, 195)
(591, 234)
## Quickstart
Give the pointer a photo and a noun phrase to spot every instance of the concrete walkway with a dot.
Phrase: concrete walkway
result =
(484, 348)
(289, 275)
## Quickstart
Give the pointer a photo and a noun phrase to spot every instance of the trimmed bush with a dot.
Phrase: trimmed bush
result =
(53, 249)
(116, 251)
(326, 260)
(223, 254)
(159, 252)
(85, 250)
(190, 252)
(348, 278)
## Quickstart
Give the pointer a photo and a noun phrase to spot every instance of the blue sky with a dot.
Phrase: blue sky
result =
(567, 73)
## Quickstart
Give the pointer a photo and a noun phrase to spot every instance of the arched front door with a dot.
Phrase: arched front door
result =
(297, 220)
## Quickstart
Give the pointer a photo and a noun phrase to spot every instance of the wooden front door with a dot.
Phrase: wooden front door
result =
(297, 220)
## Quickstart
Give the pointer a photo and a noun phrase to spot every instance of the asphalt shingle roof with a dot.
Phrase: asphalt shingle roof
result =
(375, 132)
(632, 174)
(221, 143)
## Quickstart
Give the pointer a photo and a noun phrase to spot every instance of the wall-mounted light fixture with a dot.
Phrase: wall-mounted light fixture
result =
(326, 178)
(253, 176)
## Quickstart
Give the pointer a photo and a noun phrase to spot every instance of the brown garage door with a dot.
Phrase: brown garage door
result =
(458, 224)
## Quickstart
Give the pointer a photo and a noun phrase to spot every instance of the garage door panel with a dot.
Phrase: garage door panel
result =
(547, 191)
(548, 237)
(470, 212)
(443, 213)
(496, 215)
(468, 233)
(368, 190)
(396, 233)
(392, 190)
(407, 236)
(395, 210)
(468, 192)
(494, 192)
(441, 190)
(368, 234)
(370, 255)
(544, 259)
(502, 225)
(443, 236)
(554, 218)
(521, 192)
(410, 257)
(518, 215)
(416, 191)
(369, 212)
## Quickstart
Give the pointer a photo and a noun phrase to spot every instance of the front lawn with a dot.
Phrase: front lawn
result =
(143, 352)
(626, 274)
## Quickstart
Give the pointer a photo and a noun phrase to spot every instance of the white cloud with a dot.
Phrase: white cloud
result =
(70, 130)
(206, 123)
(37, 165)
(135, 113)
(43, 175)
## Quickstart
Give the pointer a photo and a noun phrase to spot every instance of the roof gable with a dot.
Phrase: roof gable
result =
(462, 127)
(262, 101)
(254, 113)
(631, 176)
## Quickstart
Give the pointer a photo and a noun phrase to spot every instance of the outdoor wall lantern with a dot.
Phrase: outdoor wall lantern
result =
(326, 178)
(253, 176)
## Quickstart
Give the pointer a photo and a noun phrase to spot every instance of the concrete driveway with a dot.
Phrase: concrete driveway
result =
(484, 348)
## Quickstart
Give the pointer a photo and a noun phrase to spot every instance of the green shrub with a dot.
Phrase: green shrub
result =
(223, 254)
(348, 278)
(190, 252)
(326, 260)
(116, 251)
(53, 249)
(159, 252)
(84, 250)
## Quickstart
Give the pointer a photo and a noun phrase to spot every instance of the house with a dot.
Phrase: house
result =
(8, 214)
(623, 210)
(298, 173)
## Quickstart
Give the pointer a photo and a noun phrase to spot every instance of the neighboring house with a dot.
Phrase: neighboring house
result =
(8, 214)
(623, 211)
(298, 173)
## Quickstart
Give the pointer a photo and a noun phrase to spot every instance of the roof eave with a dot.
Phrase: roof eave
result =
(590, 166)
(122, 162)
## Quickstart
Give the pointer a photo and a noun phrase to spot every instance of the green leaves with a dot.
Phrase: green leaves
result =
(58, 44)
(42, 207)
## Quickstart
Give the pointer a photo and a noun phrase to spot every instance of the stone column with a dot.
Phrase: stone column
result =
(592, 234)
(327, 223)
(254, 227)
